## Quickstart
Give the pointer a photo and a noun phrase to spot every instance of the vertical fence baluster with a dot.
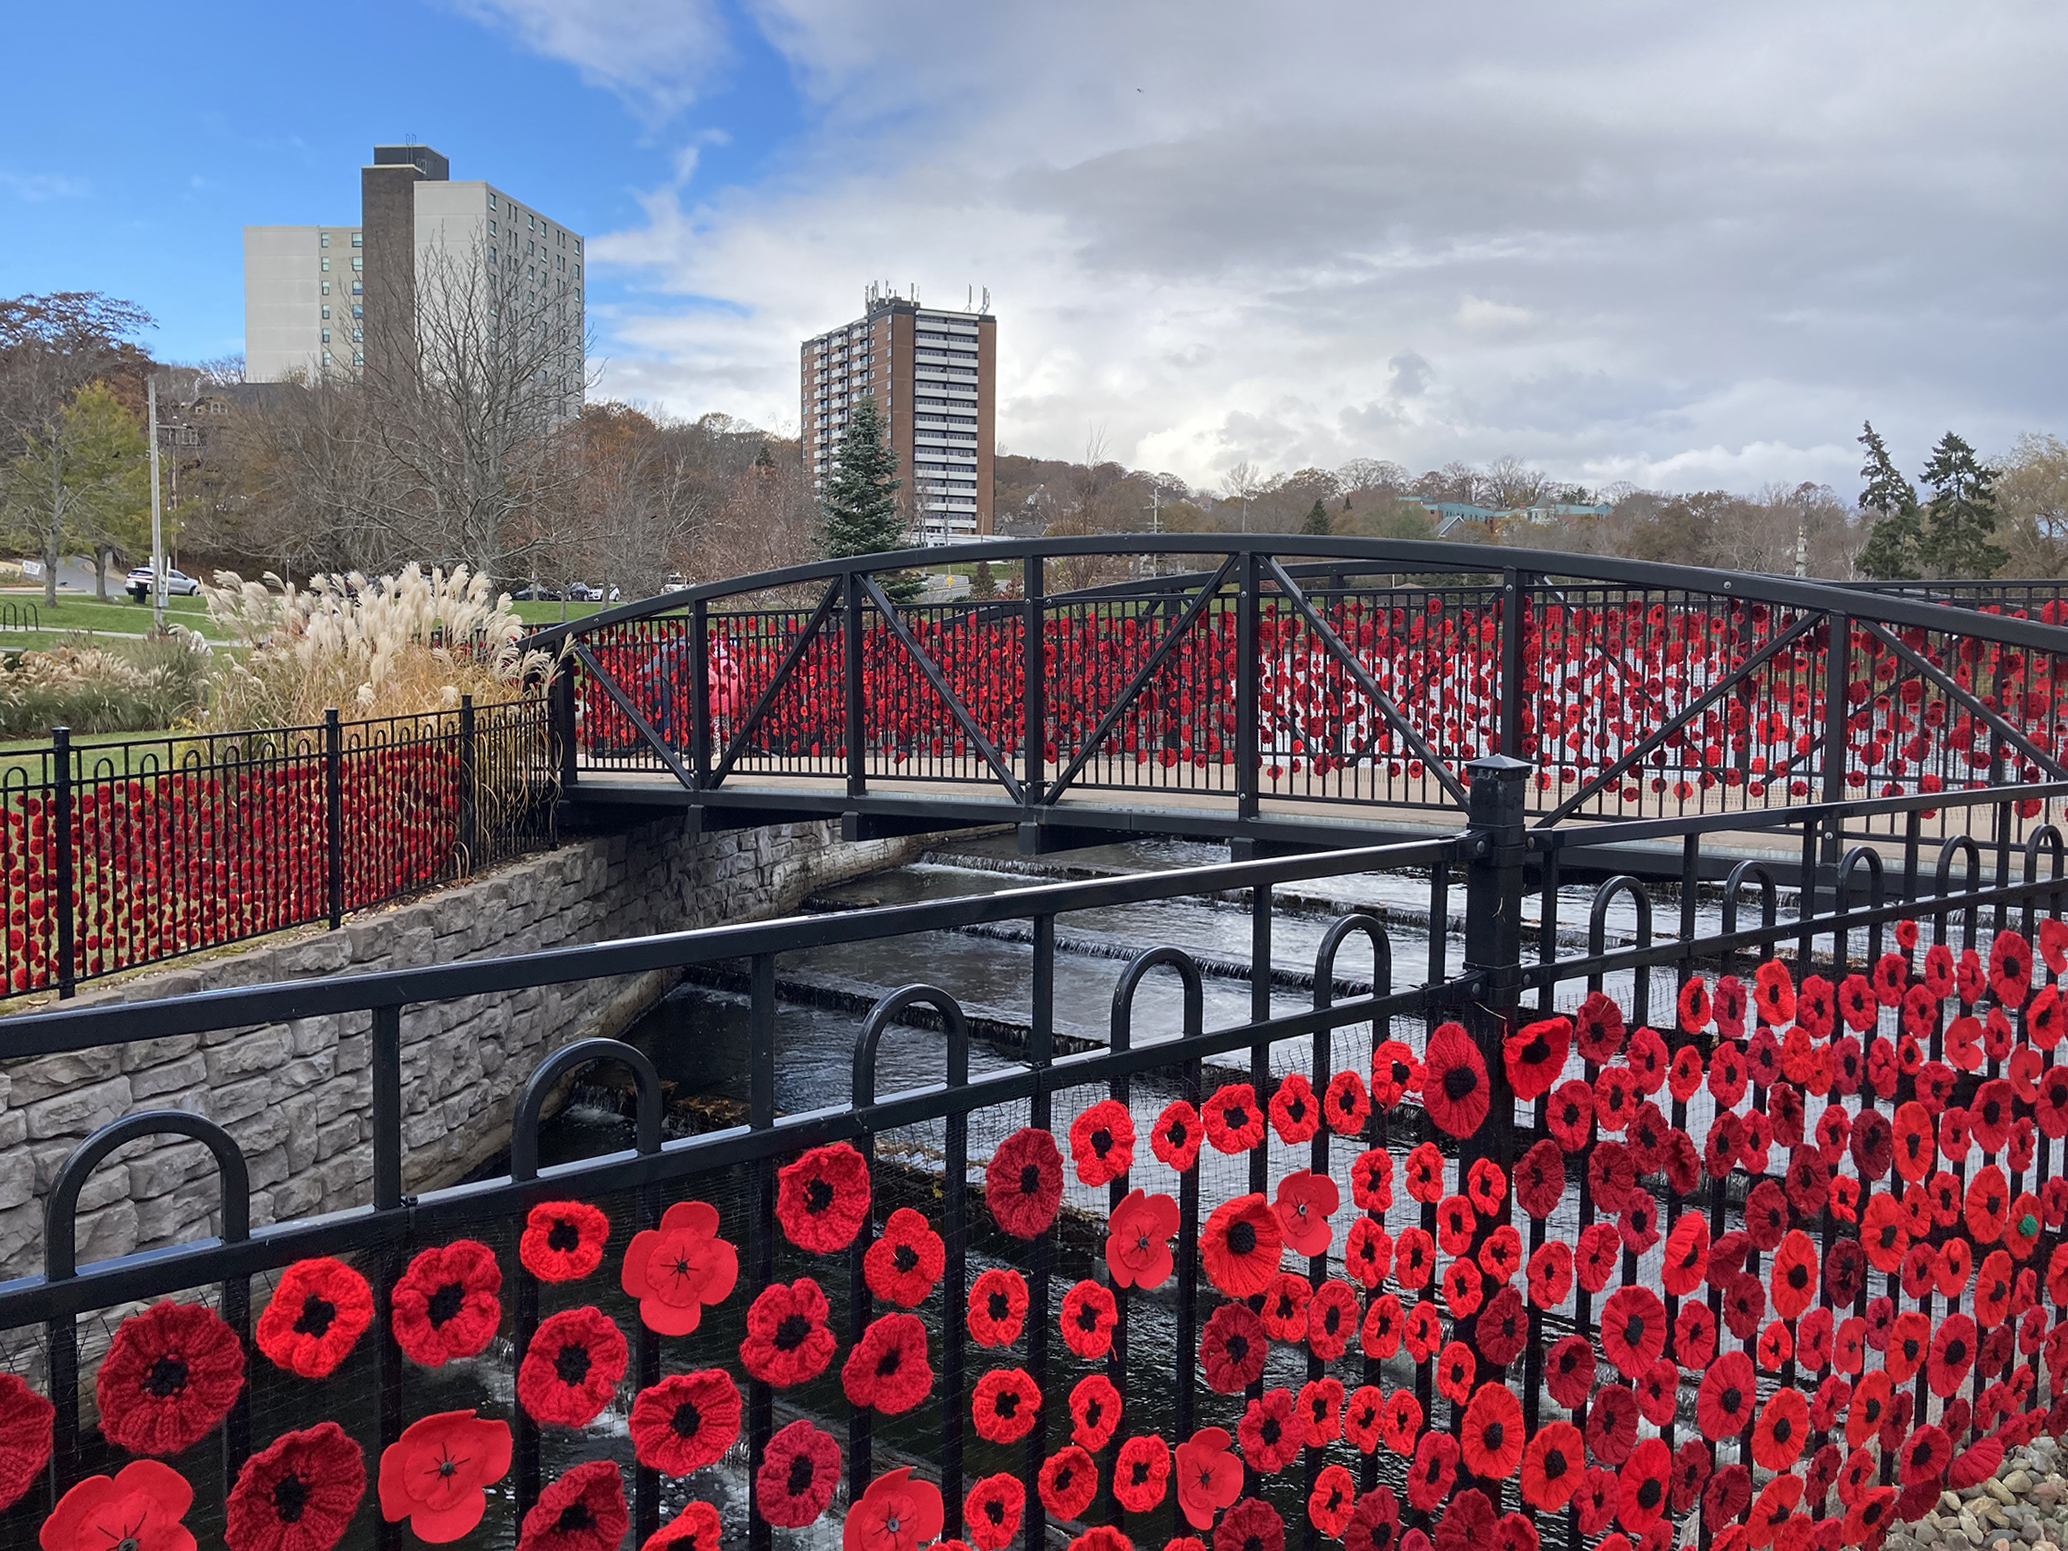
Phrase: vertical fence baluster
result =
(761, 1226)
(67, 887)
(333, 818)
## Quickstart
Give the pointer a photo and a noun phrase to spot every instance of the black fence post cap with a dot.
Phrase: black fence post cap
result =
(1499, 766)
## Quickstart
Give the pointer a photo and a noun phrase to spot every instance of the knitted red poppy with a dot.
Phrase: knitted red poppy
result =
(991, 1512)
(1233, 1118)
(1332, 1501)
(1456, 1372)
(1433, 1470)
(1491, 1439)
(1424, 1173)
(677, 1269)
(1925, 1455)
(1394, 1073)
(297, 1494)
(1781, 1431)
(1422, 1331)
(1374, 1523)
(1251, 1525)
(1414, 1259)
(1535, 1056)
(1454, 1084)
(696, 1528)
(1633, 1329)
(435, 1474)
(1643, 1485)
(1361, 1413)
(141, 1505)
(800, 1469)
(997, 1307)
(896, 1513)
(1368, 1252)
(1023, 1183)
(1141, 1473)
(1240, 1245)
(26, 1419)
(1551, 1465)
(788, 1339)
(1069, 1480)
(572, 1367)
(1232, 1349)
(1569, 1371)
(1176, 1136)
(446, 1306)
(1456, 1223)
(1612, 1424)
(1503, 1328)
(1550, 1274)
(1295, 1111)
(1463, 1287)
(1102, 1142)
(888, 1367)
(902, 1266)
(1793, 1284)
(1269, 1432)
(1400, 1422)
(1087, 1319)
(1598, 1027)
(686, 1421)
(1597, 1254)
(1380, 1333)
(1094, 1412)
(1320, 1409)
(1952, 1354)
(1331, 1320)
(2010, 969)
(318, 1312)
(582, 1511)
(562, 1240)
(171, 1374)
(1468, 1523)
(1305, 1201)
(1345, 1105)
(822, 1198)
(1570, 1116)
(1005, 1405)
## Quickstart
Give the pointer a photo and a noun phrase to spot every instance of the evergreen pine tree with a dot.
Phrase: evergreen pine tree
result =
(983, 585)
(1963, 512)
(1895, 549)
(1317, 521)
(860, 503)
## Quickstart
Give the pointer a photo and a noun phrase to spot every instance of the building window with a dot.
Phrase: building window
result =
(491, 228)
(357, 240)
(358, 335)
(323, 239)
(358, 358)
(326, 265)
(531, 222)
(357, 289)
(326, 358)
(357, 262)
(326, 288)
(326, 336)
(358, 311)
(326, 315)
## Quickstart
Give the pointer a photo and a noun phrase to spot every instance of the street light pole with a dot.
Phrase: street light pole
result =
(157, 514)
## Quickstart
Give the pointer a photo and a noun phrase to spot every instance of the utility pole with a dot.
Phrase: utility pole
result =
(1802, 547)
(157, 514)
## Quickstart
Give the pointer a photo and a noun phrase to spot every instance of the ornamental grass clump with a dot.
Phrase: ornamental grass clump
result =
(403, 645)
(137, 686)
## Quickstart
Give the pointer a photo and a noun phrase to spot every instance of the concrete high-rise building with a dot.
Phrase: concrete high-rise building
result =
(933, 375)
(334, 297)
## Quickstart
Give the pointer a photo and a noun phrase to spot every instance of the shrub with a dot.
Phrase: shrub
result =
(94, 688)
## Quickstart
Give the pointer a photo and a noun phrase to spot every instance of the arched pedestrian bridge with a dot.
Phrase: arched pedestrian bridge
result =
(1283, 691)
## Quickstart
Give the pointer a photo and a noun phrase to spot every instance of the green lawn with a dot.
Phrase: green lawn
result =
(549, 613)
(72, 613)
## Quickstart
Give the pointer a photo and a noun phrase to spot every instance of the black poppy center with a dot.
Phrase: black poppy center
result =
(1331, 1317)
(563, 1237)
(1093, 1410)
(1297, 1109)
(1650, 1492)
(1633, 1329)
(1956, 1352)
(818, 1195)
(314, 1320)
(1030, 1180)
(1242, 1239)
(1007, 1403)
(1731, 1399)
(1493, 1434)
(1798, 1277)
(686, 1421)
(574, 1518)
(1459, 1082)
(572, 1363)
(1139, 1473)
(1238, 1348)
(290, 1496)
(1554, 1464)
(998, 1306)
(799, 1479)
(1236, 1116)
(1102, 1141)
(887, 1364)
(1087, 1316)
(1783, 1429)
(904, 1257)
(791, 1332)
(1537, 1050)
(446, 1302)
(1253, 1543)
(1063, 1479)
(168, 1376)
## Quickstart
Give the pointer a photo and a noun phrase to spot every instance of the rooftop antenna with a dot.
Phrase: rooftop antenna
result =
(987, 299)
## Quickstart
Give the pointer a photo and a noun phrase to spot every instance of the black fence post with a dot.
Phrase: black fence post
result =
(1515, 591)
(851, 682)
(700, 692)
(334, 817)
(1838, 655)
(1247, 670)
(470, 776)
(67, 889)
(562, 714)
(1034, 682)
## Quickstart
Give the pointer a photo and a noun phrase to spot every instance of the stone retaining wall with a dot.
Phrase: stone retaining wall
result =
(296, 1096)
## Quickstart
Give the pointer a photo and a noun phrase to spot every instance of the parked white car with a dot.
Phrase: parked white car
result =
(177, 583)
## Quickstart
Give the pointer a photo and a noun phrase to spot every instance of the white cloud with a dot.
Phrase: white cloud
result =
(1620, 239)
(36, 187)
(655, 54)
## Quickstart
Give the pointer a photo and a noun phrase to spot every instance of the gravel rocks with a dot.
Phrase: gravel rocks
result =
(2023, 1507)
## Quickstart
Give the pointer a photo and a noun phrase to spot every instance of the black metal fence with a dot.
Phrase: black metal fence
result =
(1434, 1359)
(123, 853)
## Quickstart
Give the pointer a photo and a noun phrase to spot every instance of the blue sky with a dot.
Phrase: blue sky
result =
(1633, 240)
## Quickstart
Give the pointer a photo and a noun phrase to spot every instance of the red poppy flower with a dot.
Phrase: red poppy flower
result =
(1295, 1113)
(1550, 1274)
(1368, 1252)
(582, 1511)
(1435, 1468)
(1176, 1135)
(902, 1266)
(1468, 1523)
(1552, 1462)
(435, 1473)
(1425, 1173)
(1414, 1259)
(26, 1420)
(171, 1374)
(446, 1306)
(676, 1269)
(1456, 1224)
(1599, 1250)
(1304, 1204)
(1005, 1405)
(1069, 1480)
(1138, 1240)
(1345, 1105)
(1394, 1073)
(1570, 1115)
(1775, 1347)
(1643, 1485)
(1866, 1519)
(1612, 1424)
(1925, 1455)
(1284, 1307)
(1250, 1525)
(2046, 1019)
(686, 1421)
(562, 1240)
(1858, 1005)
(1087, 1319)
(2010, 969)
(1209, 1477)
(1569, 1371)
(1333, 1501)
(1598, 1027)
(1694, 1005)
(1500, 1254)
(896, 1513)
(1535, 1056)
(1362, 1412)
(1724, 1402)
(1269, 1432)
(1773, 992)
(318, 1313)
(1781, 1431)
(1633, 1329)
(696, 1528)
(1023, 1184)
(297, 1494)
(822, 1198)
(1102, 1142)
(788, 1339)
(1240, 1245)
(800, 1469)
(1694, 1336)
(1094, 1412)
(1773, 1510)
(140, 1506)
(1454, 1083)
(1492, 1438)
(1952, 1354)
(1658, 1392)
(572, 1367)
(888, 1368)
(1968, 978)
(1988, 1205)
(1331, 1320)
(1320, 1410)
(1456, 1370)
(997, 1307)
(1400, 1422)
(991, 1513)
(1141, 1473)
(1383, 1324)
(1234, 1120)
(1371, 1180)
(1232, 1349)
